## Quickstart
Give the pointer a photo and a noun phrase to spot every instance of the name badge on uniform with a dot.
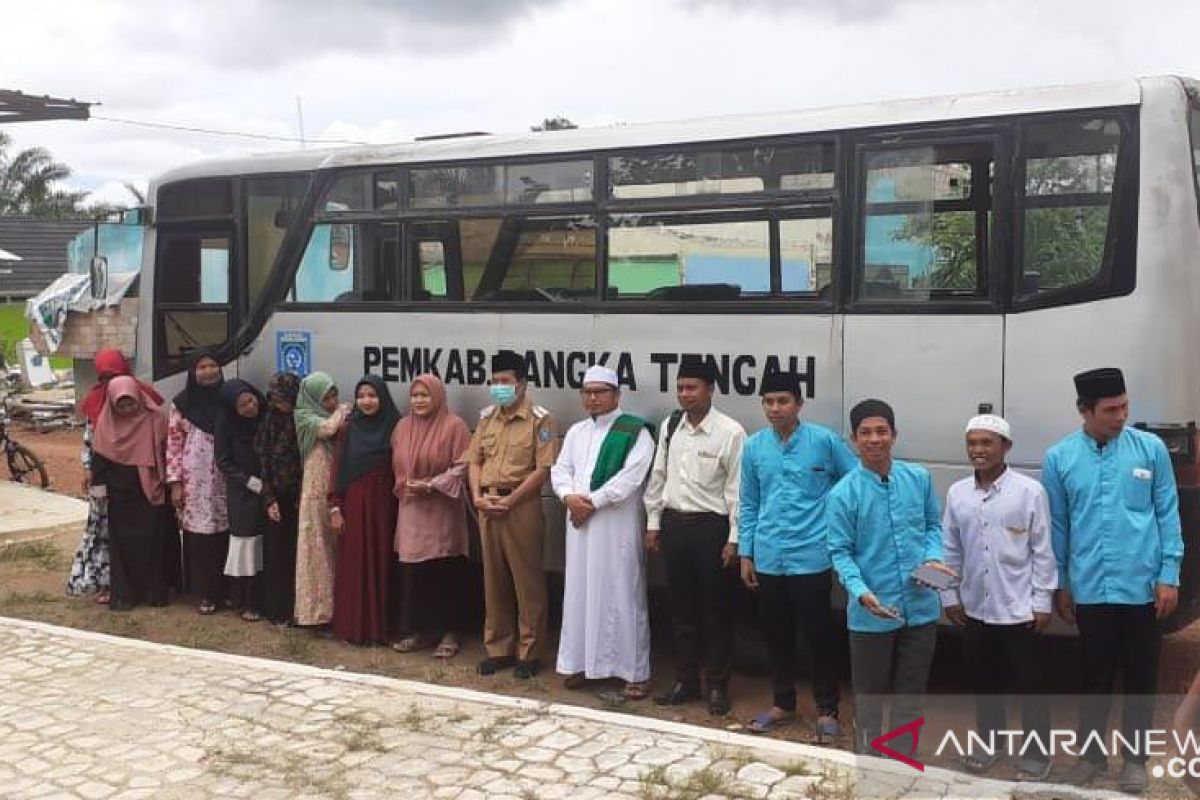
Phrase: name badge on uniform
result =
(544, 435)
(1142, 474)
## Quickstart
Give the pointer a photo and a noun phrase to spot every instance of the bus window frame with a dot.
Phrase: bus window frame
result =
(995, 134)
(229, 229)
(1118, 270)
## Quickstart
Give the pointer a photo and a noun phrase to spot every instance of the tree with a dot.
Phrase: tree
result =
(29, 183)
(559, 123)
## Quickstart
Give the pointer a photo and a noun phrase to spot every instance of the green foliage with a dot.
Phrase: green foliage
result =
(30, 183)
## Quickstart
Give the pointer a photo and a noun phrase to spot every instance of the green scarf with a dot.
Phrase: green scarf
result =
(309, 414)
(619, 440)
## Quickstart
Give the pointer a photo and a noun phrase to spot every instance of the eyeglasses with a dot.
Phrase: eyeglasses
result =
(596, 392)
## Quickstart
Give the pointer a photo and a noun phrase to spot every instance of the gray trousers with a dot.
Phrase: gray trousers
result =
(895, 663)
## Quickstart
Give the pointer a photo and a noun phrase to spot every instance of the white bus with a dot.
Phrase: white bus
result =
(939, 253)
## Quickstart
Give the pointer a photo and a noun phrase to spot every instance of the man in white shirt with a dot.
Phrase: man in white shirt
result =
(691, 517)
(996, 533)
(599, 476)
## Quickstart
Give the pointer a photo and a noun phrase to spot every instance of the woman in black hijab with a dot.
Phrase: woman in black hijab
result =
(196, 485)
(363, 512)
(238, 462)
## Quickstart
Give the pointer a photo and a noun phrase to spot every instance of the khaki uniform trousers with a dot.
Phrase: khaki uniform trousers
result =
(514, 581)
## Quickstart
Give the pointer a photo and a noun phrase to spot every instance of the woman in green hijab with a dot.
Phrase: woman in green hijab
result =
(318, 418)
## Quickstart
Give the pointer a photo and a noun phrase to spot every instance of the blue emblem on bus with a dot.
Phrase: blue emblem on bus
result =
(293, 352)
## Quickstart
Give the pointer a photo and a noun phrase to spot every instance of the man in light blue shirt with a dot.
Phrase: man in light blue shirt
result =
(788, 469)
(884, 523)
(1115, 529)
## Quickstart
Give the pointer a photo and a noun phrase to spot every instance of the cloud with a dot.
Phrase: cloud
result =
(847, 11)
(272, 33)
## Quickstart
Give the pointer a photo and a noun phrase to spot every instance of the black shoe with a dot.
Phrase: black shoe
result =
(678, 694)
(718, 701)
(490, 666)
(526, 669)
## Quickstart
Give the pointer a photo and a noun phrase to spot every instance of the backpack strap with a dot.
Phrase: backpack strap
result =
(672, 425)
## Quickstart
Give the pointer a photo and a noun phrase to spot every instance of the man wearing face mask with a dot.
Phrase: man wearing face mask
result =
(509, 459)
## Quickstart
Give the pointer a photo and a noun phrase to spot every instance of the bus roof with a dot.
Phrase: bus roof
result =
(706, 129)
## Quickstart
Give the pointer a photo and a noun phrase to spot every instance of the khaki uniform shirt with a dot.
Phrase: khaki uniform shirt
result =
(507, 447)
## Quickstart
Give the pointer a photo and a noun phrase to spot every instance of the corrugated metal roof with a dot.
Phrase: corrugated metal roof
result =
(41, 245)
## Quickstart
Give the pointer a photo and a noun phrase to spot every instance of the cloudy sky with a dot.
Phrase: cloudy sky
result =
(388, 70)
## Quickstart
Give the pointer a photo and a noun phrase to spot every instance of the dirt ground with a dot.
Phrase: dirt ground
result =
(32, 579)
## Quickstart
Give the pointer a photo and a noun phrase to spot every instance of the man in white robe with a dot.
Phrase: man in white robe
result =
(599, 476)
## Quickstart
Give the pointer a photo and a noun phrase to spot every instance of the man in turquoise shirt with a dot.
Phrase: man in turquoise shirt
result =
(788, 469)
(884, 523)
(1114, 516)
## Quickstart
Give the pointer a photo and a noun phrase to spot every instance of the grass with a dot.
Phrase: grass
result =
(415, 719)
(658, 785)
(797, 768)
(13, 328)
(44, 554)
(359, 733)
(833, 785)
(36, 598)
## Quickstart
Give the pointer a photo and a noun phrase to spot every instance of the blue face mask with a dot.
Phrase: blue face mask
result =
(503, 394)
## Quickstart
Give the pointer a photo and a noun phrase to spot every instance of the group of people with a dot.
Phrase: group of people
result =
(295, 507)
(291, 506)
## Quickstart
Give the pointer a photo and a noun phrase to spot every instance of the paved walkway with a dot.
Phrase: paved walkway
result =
(85, 715)
(25, 511)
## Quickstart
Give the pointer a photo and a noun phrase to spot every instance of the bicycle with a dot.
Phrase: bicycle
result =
(23, 465)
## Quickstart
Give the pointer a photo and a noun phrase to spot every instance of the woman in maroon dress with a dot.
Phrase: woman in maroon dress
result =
(363, 513)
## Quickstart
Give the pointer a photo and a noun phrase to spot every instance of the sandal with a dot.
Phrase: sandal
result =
(574, 681)
(411, 644)
(206, 608)
(447, 648)
(772, 718)
(251, 616)
(827, 729)
(636, 690)
(104, 597)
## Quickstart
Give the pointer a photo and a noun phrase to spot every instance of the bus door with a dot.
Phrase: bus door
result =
(924, 329)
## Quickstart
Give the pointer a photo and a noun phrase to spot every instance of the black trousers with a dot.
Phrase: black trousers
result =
(789, 605)
(1116, 638)
(701, 593)
(1004, 659)
(896, 663)
(279, 560)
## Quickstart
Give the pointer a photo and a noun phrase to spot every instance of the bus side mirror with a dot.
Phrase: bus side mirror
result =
(340, 240)
(98, 272)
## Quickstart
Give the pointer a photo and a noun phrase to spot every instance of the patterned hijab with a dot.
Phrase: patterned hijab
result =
(275, 443)
(309, 414)
(368, 437)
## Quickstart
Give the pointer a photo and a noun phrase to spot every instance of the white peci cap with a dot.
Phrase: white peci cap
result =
(599, 374)
(990, 423)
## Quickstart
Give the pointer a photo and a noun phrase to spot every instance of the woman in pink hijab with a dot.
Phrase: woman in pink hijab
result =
(431, 531)
(129, 471)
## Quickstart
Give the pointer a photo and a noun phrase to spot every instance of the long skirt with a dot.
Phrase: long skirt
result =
(90, 567)
(136, 550)
(432, 596)
(206, 554)
(279, 561)
(360, 601)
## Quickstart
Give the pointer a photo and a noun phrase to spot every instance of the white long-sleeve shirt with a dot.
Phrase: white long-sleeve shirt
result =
(998, 540)
(702, 472)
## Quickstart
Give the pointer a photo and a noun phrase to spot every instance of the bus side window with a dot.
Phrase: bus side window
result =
(348, 262)
(1070, 169)
(926, 223)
